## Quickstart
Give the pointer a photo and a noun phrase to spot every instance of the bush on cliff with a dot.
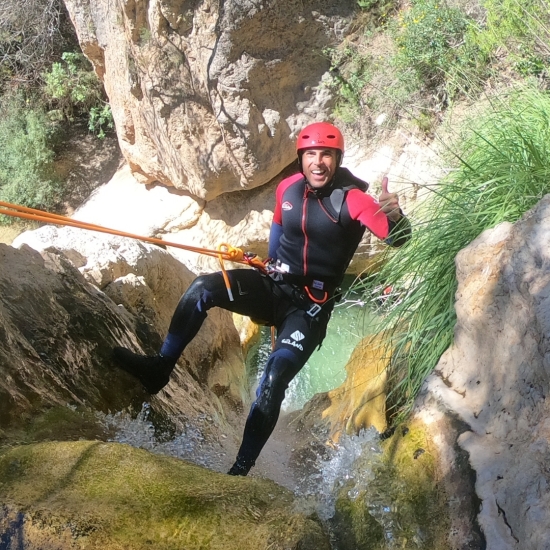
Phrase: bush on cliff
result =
(27, 137)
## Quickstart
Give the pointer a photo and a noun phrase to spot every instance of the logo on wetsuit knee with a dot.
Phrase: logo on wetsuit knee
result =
(296, 337)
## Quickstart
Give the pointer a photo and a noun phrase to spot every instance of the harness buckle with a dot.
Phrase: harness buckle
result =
(314, 310)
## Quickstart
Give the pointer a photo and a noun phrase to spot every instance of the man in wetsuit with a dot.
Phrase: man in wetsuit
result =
(320, 217)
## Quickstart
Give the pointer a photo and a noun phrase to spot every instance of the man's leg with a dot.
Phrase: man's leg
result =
(252, 296)
(297, 338)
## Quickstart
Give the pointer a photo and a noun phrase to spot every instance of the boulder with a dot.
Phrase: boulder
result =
(208, 97)
(148, 282)
(487, 395)
(59, 329)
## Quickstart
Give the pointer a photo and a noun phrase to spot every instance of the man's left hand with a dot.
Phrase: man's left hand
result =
(389, 202)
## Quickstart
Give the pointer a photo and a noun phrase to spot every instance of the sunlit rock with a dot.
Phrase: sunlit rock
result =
(208, 97)
(495, 379)
(96, 495)
(360, 402)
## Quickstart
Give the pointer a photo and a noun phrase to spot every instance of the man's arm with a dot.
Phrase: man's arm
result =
(400, 227)
(275, 234)
(384, 217)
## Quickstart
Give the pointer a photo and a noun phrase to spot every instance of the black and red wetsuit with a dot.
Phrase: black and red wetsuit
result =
(315, 232)
(313, 237)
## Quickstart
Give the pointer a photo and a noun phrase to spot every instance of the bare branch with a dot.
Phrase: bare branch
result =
(32, 34)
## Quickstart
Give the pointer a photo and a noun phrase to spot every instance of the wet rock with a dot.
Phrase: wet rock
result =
(360, 402)
(106, 495)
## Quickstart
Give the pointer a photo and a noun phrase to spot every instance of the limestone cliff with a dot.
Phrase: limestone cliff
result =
(495, 380)
(206, 95)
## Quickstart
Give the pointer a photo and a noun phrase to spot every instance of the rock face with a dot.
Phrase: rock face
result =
(207, 96)
(495, 379)
(360, 402)
(60, 323)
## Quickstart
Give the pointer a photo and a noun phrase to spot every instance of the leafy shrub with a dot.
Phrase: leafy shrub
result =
(434, 45)
(99, 119)
(501, 170)
(74, 89)
(26, 156)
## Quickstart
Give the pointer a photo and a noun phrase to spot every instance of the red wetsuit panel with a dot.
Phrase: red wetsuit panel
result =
(282, 187)
(366, 209)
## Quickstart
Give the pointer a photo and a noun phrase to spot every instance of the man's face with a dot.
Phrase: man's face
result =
(319, 165)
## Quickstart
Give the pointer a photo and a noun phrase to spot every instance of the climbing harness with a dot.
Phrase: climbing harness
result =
(300, 295)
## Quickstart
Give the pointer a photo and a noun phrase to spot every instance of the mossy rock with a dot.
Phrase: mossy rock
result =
(405, 500)
(91, 494)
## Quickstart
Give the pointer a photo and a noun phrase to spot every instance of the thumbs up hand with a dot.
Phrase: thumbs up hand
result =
(389, 202)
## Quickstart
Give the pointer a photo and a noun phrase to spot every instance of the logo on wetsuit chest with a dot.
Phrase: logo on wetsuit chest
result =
(286, 206)
(296, 337)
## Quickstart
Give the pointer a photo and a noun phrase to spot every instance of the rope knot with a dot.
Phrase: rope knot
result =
(231, 253)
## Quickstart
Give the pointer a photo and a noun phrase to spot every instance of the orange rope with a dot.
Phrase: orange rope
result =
(228, 249)
(231, 254)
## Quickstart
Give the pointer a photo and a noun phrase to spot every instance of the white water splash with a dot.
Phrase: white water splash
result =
(188, 444)
(353, 469)
(351, 464)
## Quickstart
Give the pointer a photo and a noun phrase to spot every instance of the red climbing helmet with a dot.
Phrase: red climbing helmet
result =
(320, 134)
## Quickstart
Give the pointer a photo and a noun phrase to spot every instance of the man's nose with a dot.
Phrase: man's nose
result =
(318, 159)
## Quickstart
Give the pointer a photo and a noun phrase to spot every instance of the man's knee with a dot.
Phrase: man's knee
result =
(201, 291)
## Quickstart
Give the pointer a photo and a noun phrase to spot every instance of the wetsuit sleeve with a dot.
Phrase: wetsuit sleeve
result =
(277, 213)
(366, 209)
(275, 234)
(400, 231)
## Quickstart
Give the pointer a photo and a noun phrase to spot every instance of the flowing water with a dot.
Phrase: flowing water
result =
(350, 466)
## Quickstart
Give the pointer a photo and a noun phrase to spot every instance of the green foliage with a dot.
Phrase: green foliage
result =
(26, 155)
(99, 119)
(350, 81)
(508, 19)
(501, 170)
(432, 53)
(435, 47)
(523, 29)
(375, 12)
(74, 89)
(144, 36)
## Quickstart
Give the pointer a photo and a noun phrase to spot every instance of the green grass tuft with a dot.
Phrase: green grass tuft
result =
(500, 169)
